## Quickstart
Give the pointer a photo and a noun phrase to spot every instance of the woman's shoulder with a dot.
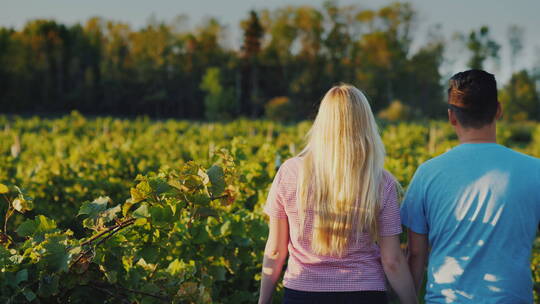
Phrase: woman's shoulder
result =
(289, 167)
(388, 179)
(294, 161)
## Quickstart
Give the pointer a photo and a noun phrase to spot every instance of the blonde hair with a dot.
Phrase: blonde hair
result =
(341, 172)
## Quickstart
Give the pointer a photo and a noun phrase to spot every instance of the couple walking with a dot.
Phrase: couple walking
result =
(471, 213)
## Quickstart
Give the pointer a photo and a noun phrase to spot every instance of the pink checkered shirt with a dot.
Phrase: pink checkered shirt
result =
(359, 269)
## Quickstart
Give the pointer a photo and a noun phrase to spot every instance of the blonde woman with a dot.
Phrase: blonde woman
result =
(334, 212)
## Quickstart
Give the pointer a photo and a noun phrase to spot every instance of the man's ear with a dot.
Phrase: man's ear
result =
(499, 113)
(452, 117)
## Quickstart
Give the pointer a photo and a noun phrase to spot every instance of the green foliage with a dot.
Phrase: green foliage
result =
(396, 111)
(520, 99)
(160, 211)
(164, 69)
(279, 109)
(147, 254)
(535, 262)
(482, 47)
(219, 101)
(253, 33)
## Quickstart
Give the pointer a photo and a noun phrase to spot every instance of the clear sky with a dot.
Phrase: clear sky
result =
(452, 15)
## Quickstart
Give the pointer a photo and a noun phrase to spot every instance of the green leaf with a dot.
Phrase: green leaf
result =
(159, 185)
(198, 199)
(181, 269)
(161, 214)
(177, 185)
(218, 272)
(141, 212)
(215, 173)
(142, 191)
(21, 276)
(110, 214)
(226, 228)
(92, 209)
(127, 205)
(3, 189)
(144, 187)
(150, 253)
(29, 295)
(200, 235)
(205, 212)
(140, 222)
(193, 182)
(56, 257)
(136, 195)
(36, 228)
(5, 256)
(176, 267)
(48, 285)
(111, 276)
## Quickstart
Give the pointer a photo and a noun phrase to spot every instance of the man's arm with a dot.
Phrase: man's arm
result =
(418, 255)
(275, 254)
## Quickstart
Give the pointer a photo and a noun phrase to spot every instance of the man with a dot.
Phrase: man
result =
(476, 206)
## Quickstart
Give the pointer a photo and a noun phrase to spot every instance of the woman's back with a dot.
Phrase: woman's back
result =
(326, 207)
(359, 268)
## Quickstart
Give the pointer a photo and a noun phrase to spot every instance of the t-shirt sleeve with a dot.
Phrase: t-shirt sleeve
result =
(274, 206)
(413, 211)
(389, 218)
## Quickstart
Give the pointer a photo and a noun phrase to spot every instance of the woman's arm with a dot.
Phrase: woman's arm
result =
(396, 269)
(275, 253)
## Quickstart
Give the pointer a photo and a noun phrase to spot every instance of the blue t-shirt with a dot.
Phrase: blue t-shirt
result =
(479, 204)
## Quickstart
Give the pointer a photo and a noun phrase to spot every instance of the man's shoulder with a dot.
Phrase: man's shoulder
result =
(436, 163)
(522, 157)
(449, 158)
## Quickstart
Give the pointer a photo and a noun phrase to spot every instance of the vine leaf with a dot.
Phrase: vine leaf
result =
(3, 189)
(20, 277)
(57, 257)
(36, 228)
(29, 295)
(48, 285)
(141, 212)
(136, 195)
(216, 176)
(92, 209)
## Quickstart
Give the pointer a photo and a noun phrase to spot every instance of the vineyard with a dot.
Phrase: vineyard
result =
(108, 210)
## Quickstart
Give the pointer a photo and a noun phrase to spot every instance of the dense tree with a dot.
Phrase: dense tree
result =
(520, 99)
(423, 90)
(250, 95)
(482, 47)
(292, 53)
(515, 40)
(219, 101)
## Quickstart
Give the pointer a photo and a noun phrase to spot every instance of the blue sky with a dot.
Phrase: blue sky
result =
(452, 15)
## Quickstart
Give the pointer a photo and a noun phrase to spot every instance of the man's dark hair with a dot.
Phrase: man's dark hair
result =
(472, 95)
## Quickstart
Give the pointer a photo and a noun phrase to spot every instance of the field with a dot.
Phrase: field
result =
(143, 211)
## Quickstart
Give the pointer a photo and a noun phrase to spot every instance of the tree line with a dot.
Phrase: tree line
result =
(288, 58)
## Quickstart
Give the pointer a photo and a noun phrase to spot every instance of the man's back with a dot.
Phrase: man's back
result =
(480, 206)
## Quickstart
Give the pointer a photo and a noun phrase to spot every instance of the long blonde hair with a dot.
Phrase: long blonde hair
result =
(341, 172)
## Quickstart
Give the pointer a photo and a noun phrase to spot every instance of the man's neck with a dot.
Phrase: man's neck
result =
(486, 134)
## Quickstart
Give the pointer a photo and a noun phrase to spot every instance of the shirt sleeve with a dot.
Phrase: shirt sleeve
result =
(389, 218)
(413, 211)
(274, 206)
